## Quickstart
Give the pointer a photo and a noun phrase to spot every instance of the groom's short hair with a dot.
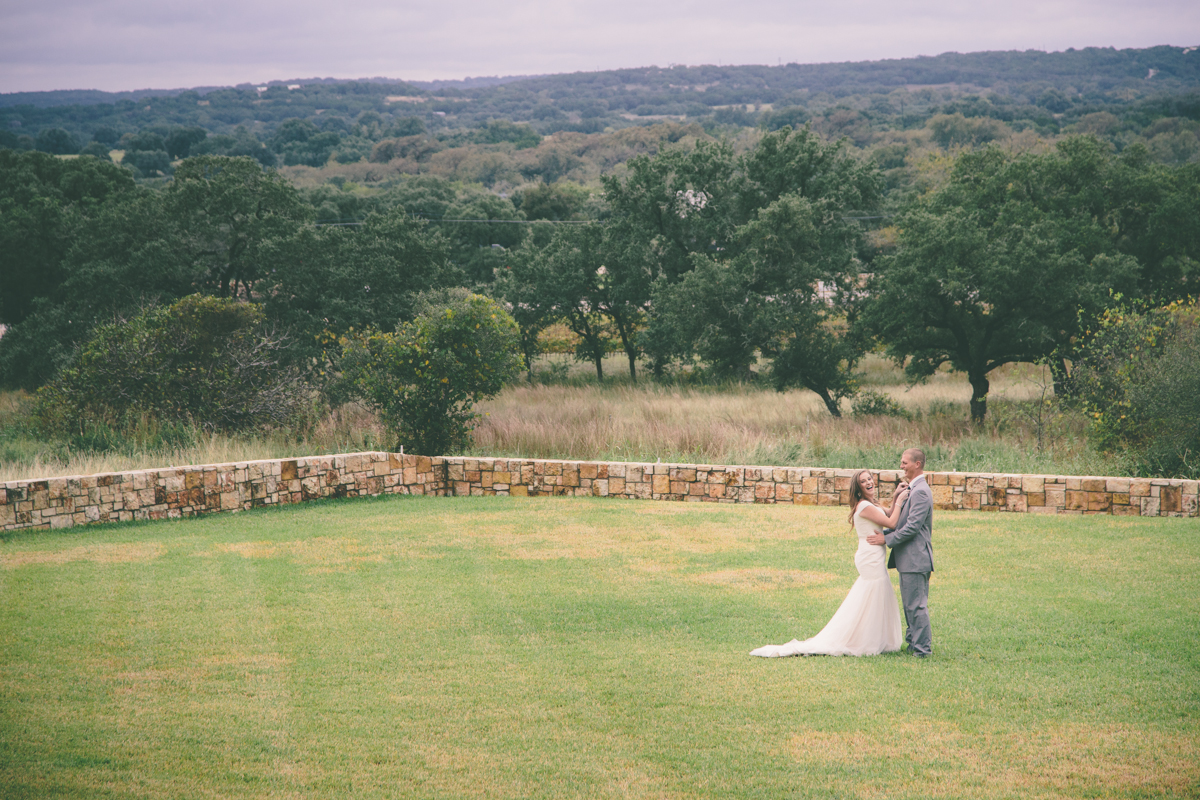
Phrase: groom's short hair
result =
(917, 455)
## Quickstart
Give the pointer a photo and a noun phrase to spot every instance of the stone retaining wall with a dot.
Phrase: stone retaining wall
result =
(188, 491)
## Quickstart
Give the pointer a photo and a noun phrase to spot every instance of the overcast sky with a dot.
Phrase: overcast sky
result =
(136, 44)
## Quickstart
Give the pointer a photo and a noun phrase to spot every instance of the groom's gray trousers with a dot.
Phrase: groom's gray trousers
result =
(912, 557)
(914, 596)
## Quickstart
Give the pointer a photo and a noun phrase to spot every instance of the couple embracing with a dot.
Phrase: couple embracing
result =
(868, 621)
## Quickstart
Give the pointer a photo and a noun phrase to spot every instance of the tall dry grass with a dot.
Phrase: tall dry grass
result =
(565, 414)
(750, 424)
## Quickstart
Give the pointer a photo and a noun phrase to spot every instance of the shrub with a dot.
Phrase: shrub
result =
(425, 378)
(869, 403)
(202, 360)
(1139, 380)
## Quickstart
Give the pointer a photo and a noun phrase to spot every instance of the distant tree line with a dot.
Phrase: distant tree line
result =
(1114, 94)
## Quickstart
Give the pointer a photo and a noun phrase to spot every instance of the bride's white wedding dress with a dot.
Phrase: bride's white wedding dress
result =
(868, 621)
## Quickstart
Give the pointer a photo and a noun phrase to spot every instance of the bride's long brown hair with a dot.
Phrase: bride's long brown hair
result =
(856, 495)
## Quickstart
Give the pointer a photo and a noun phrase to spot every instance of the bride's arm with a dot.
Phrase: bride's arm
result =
(875, 514)
(901, 489)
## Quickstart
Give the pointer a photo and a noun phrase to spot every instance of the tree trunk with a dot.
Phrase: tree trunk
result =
(830, 403)
(600, 367)
(979, 393)
(1063, 385)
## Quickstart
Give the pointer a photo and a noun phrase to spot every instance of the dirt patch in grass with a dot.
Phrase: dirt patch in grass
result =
(945, 761)
(115, 553)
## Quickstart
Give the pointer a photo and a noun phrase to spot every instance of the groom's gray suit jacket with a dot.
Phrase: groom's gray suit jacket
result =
(911, 539)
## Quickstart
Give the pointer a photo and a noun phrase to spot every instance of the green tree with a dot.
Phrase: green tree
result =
(333, 278)
(480, 227)
(522, 285)
(180, 141)
(426, 378)
(47, 207)
(747, 257)
(226, 208)
(1138, 375)
(56, 141)
(203, 360)
(995, 267)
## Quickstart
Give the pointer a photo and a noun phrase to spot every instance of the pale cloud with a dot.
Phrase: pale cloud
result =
(129, 44)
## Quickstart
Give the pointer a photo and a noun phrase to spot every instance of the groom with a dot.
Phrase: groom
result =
(912, 552)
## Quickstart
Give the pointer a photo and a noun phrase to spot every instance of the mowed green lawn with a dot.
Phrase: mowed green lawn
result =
(506, 647)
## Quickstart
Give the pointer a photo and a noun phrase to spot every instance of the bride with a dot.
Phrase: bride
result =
(868, 621)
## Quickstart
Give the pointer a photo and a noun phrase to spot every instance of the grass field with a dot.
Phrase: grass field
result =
(499, 647)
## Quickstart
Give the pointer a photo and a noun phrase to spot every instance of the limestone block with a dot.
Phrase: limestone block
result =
(1018, 503)
(784, 492)
(641, 490)
(1033, 499)
(972, 500)
(519, 490)
(938, 479)
(1074, 484)
(455, 472)
(1149, 506)
(661, 484)
(679, 487)
(1191, 505)
(1056, 497)
(616, 485)
(600, 487)
(977, 486)
(943, 495)
(1170, 499)
(1033, 484)
(826, 499)
(683, 474)
(957, 479)
(810, 485)
(1076, 500)
(1120, 499)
